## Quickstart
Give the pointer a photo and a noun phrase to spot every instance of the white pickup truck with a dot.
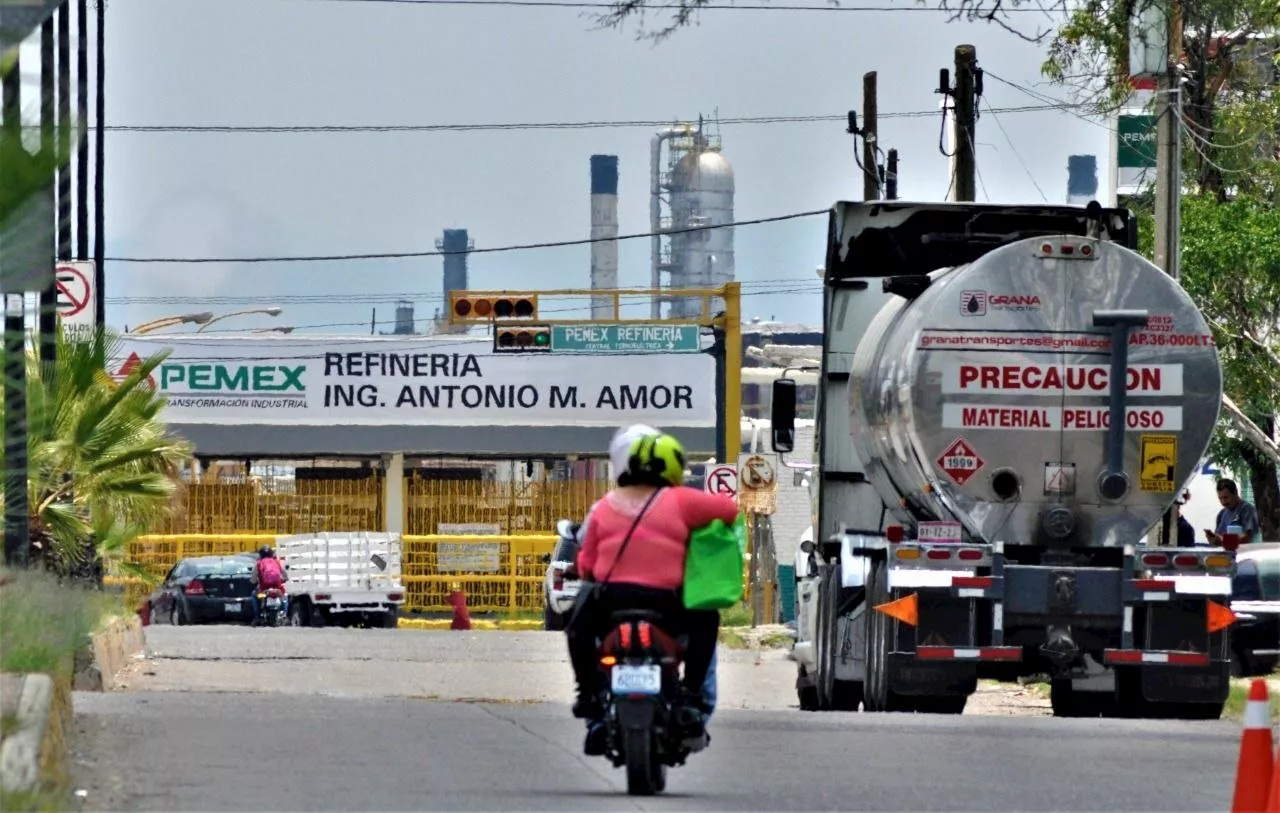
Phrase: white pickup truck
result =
(342, 578)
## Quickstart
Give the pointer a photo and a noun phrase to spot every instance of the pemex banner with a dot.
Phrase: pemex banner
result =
(426, 381)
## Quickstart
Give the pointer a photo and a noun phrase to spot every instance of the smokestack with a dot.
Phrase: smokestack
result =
(1082, 179)
(604, 230)
(455, 244)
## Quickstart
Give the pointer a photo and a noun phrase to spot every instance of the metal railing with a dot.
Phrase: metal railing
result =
(501, 573)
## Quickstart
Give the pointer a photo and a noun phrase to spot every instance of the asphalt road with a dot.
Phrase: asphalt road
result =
(338, 720)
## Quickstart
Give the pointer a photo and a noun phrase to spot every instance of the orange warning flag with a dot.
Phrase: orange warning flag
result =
(1219, 617)
(905, 609)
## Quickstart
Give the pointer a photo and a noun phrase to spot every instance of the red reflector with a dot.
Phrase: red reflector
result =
(323, 596)
(1189, 658)
(1155, 559)
(1139, 656)
(1186, 560)
(894, 533)
(1068, 249)
(972, 581)
(1046, 248)
(969, 554)
(1123, 656)
(939, 553)
(1086, 250)
(394, 596)
(1153, 584)
(960, 653)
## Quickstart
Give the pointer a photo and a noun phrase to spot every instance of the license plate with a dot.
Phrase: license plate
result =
(231, 607)
(637, 679)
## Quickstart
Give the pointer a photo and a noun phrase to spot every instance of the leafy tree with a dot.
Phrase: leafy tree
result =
(102, 465)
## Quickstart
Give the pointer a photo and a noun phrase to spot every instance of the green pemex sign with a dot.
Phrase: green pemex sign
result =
(1136, 137)
(624, 338)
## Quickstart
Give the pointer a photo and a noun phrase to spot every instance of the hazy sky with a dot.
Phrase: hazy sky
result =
(361, 62)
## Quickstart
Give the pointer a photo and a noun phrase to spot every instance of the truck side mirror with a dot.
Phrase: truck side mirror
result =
(782, 415)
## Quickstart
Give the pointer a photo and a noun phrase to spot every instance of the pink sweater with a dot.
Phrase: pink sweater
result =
(655, 555)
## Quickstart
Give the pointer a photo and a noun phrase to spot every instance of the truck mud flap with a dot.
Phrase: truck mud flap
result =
(908, 675)
(1181, 684)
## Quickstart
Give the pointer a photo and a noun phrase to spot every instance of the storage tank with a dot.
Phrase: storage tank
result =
(701, 195)
(986, 398)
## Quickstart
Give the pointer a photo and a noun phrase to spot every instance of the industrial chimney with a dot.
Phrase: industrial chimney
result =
(455, 244)
(604, 232)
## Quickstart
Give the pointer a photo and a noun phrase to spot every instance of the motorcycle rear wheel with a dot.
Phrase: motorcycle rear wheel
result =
(645, 774)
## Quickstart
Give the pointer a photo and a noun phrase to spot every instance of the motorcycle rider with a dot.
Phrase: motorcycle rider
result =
(268, 572)
(651, 506)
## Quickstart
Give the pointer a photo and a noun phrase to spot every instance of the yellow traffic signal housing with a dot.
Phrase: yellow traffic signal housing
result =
(522, 339)
(472, 306)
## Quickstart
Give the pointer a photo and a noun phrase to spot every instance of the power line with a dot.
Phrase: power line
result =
(390, 255)
(865, 9)
(434, 296)
(525, 126)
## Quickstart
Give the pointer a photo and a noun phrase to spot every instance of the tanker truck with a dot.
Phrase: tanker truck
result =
(1009, 400)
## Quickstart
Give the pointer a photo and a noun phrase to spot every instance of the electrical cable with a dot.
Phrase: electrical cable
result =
(495, 250)
(517, 126)
(693, 6)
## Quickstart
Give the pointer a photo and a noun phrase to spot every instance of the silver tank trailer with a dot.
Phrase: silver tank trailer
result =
(986, 398)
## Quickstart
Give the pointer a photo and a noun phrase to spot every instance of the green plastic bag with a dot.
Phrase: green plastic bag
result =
(714, 564)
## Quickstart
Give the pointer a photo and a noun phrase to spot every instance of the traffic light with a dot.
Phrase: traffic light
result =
(523, 339)
(470, 306)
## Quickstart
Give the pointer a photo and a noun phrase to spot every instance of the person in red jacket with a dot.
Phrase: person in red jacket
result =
(634, 547)
(268, 573)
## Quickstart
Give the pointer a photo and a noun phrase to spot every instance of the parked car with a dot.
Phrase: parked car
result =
(559, 592)
(206, 588)
(1255, 599)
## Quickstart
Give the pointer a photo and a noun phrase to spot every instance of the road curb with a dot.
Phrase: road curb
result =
(34, 752)
(109, 651)
(476, 624)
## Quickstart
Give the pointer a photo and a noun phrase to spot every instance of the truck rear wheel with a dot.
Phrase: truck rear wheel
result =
(832, 694)
(877, 695)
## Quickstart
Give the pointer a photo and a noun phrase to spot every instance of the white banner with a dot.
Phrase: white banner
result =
(423, 381)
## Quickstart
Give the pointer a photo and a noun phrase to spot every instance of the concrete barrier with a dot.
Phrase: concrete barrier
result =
(476, 624)
(37, 716)
(110, 650)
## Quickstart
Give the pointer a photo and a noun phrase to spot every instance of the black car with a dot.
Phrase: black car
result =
(1255, 599)
(206, 588)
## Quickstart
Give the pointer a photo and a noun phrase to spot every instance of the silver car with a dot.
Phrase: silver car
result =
(560, 593)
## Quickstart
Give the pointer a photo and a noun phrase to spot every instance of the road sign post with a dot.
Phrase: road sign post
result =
(758, 482)
(77, 297)
(722, 480)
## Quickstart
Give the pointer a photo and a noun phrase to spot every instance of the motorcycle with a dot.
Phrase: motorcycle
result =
(270, 608)
(646, 723)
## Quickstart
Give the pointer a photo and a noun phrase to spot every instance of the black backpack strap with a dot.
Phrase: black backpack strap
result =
(627, 539)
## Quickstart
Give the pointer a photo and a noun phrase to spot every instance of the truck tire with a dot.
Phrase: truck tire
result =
(552, 621)
(391, 619)
(832, 694)
(297, 614)
(877, 694)
(807, 695)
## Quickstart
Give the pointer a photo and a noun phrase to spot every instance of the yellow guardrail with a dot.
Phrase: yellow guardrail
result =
(497, 573)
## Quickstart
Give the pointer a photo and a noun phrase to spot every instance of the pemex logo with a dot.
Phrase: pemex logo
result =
(130, 364)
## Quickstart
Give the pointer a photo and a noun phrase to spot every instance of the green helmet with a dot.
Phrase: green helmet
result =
(656, 459)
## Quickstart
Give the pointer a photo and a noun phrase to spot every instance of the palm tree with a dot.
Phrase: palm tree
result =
(103, 466)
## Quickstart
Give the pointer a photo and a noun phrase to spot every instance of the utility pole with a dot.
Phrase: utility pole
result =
(891, 177)
(965, 108)
(1168, 209)
(100, 161)
(870, 171)
(48, 298)
(16, 538)
(82, 133)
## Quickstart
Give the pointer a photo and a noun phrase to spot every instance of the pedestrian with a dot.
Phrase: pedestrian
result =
(1186, 533)
(1235, 511)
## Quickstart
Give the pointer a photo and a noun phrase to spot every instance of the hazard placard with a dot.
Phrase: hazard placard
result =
(960, 461)
(1060, 478)
(1159, 459)
(722, 480)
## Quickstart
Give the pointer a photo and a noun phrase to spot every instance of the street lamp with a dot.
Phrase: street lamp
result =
(280, 329)
(265, 311)
(169, 321)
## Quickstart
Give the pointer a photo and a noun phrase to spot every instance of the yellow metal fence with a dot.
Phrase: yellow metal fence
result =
(497, 573)
(289, 507)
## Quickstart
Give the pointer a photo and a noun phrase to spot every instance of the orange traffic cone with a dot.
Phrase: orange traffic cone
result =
(461, 616)
(1256, 765)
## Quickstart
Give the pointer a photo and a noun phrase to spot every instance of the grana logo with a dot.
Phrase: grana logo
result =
(973, 303)
(1014, 302)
